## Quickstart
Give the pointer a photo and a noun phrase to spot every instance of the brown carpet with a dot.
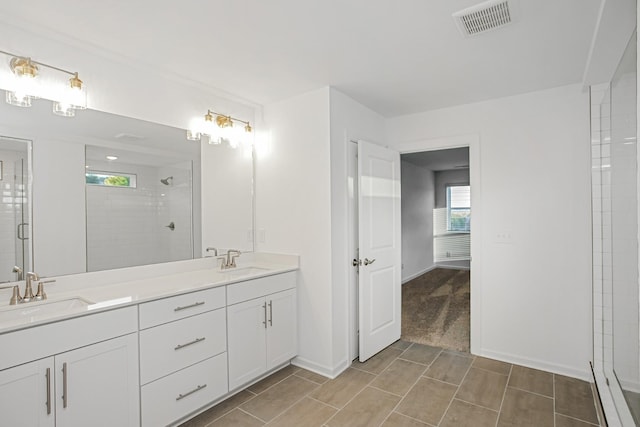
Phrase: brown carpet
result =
(435, 309)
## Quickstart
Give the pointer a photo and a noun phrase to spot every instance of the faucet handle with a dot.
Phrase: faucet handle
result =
(41, 294)
(15, 296)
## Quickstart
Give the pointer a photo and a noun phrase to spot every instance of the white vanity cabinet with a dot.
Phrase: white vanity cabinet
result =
(96, 383)
(25, 395)
(183, 359)
(262, 333)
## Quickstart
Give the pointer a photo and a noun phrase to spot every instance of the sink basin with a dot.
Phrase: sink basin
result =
(32, 311)
(245, 271)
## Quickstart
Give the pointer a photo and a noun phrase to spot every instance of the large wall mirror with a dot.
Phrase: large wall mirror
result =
(100, 191)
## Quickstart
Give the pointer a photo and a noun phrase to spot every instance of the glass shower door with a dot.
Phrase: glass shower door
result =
(15, 242)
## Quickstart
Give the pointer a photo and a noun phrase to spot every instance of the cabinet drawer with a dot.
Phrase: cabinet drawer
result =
(256, 288)
(181, 306)
(173, 346)
(179, 394)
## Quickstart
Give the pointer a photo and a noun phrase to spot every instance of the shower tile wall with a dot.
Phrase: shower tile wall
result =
(128, 227)
(601, 206)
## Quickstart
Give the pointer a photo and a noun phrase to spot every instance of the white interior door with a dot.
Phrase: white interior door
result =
(379, 241)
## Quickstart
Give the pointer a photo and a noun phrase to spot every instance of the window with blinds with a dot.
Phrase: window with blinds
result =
(459, 208)
(451, 226)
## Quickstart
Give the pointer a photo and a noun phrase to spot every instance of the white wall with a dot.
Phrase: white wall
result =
(293, 205)
(227, 199)
(418, 201)
(531, 301)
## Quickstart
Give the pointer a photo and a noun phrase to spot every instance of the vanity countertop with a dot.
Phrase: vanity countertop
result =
(93, 299)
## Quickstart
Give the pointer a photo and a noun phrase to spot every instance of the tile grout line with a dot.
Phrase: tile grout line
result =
(504, 393)
(412, 385)
(324, 403)
(354, 396)
(251, 415)
(475, 404)
(230, 410)
(577, 419)
(294, 403)
(531, 392)
(456, 393)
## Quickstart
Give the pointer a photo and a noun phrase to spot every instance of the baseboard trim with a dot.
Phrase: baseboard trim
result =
(452, 267)
(325, 371)
(569, 371)
(433, 267)
(418, 274)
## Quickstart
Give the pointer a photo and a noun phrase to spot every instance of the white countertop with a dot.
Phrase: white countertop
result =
(187, 277)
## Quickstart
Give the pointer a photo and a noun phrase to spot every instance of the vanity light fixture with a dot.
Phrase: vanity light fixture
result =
(26, 80)
(218, 128)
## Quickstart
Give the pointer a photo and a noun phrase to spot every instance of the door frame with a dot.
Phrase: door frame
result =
(473, 142)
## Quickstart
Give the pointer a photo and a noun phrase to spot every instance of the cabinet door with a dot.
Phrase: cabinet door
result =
(246, 323)
(97, 385)
(26, 395)
(282, 342)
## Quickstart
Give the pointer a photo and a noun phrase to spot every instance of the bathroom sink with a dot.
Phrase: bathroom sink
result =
(39, 310)
(245, 271)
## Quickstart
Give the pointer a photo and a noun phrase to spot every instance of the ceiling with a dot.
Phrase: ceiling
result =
(394, 57)
(440, 160)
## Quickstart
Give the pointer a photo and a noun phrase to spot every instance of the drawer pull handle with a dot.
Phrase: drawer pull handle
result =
(65, 393)
(189, 306)
(182, 396)
(197, 340)
(264, 307)
(48, 376)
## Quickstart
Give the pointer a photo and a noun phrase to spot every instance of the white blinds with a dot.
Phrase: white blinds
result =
(448, 245)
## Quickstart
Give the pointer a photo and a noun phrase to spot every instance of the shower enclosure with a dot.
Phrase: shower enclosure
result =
(615, 189)
(15, 242)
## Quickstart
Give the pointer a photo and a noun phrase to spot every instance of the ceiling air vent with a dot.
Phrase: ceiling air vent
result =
(483, 17)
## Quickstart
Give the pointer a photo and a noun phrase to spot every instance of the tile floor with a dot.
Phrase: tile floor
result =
(410, 385)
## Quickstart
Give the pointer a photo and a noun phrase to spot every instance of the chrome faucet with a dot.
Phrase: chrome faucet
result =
(18, 272)
(229, 261)
(28, 289)
(215, 250)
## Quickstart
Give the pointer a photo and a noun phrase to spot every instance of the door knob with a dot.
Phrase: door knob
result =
(368, 261)
(356, 262)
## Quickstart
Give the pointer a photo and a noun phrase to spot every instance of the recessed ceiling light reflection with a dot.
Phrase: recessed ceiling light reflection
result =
(112, 157)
